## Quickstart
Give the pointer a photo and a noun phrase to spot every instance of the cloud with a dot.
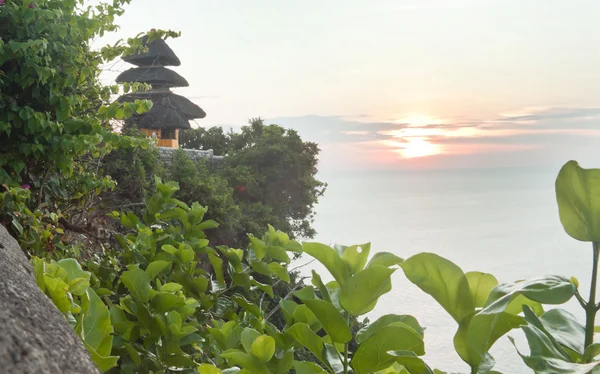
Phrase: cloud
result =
(353, 141)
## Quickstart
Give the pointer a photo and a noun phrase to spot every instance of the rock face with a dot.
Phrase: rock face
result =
(34, 336)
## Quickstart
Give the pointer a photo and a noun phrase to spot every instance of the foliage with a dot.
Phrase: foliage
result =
(54, 112)
(273, 172)
(199, 182)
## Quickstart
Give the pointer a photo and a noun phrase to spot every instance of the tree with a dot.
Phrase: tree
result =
(55, 115)
(273, 172)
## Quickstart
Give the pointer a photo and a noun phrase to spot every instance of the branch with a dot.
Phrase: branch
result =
(78, 229)
(298, 285)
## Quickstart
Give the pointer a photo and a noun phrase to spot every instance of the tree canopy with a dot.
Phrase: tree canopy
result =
(272, 170)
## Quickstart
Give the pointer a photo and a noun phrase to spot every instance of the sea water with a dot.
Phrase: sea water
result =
(501, 221)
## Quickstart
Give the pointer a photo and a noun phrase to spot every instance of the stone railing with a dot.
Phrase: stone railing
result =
(167, 154)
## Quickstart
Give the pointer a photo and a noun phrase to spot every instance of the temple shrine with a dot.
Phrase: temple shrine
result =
(170, 112)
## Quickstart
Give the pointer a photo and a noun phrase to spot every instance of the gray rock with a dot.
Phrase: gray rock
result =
(34, 336)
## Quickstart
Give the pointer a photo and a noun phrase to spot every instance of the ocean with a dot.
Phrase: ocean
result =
(500, 221)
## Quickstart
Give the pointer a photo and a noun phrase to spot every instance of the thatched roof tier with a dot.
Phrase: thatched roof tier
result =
(161, 117)
(156, 76)
(168, 99)
(158, 54)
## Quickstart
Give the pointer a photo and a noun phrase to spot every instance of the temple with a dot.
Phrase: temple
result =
(170, 112)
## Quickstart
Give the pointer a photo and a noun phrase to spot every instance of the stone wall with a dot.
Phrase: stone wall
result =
(166, 154)
(34, 336)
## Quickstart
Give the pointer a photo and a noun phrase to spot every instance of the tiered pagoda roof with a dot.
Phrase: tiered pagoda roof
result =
(169, 110)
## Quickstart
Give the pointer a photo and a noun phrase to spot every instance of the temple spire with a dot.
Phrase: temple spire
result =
(170, 112)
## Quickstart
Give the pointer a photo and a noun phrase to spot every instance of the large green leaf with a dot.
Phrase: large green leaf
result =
(330, 259)
(208, 369)
(138, 283)
(164, 302)
(307, 367)
(578, 198)
(155, 267)
(384, 259)
(478, 332)
(546, 358)
(317, 282)
(411, 362)
(95, 328)
(551, 289)
(565, 328)
(372, 355)
(361, 292)
(334, 359)
(263, 348)
(332, 320)
(356, 257)
(303, 334)
(443, 280)
(384, 321)
(481, 284)
(248, 337)
(303, 314)
(247, 305)
(73, 269)
(245, 360)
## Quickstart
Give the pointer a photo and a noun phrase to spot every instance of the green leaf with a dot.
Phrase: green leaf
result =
(73, 269)
(138, 283)
(361, 292)
(332, 320)
(279, 271)
(481, 284)
(303, 334)
(317, 282)
(78, 286)
(546, 358)
(263, 348)
(259, 247)
(155, 267)
(356, 257)
(208, 369)
(372, 355)
(302, 367)
(248, 337)
(278, 253)
(304, 315)
(385, 259)
(443, 280)
(478, 332)
(247, 305)
(217, 265)
(305, 293)
(330, 259)
(410, 361)
(57, 289)
(171, 287)
(564, 327)
(578, 198)
(384, 321)
(591, 352)
(96, 330)
(551, 289)
(169, 249)
(164, 302)
(245, 360)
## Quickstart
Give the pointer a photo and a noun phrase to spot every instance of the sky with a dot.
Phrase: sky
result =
(394, 84)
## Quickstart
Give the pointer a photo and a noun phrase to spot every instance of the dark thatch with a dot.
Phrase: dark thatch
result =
(161, 117)
(158, 54)
(157, 76)
(168, 99)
